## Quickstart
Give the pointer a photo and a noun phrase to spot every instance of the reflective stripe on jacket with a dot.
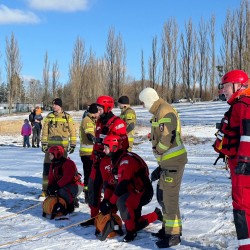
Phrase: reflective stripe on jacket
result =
(87, 126)
(59, 129)
(129, 116)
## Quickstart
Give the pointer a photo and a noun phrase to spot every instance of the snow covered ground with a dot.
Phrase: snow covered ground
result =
(205, 198)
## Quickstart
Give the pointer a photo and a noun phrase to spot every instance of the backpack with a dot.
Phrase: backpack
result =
(54, 206)
(108, 225)
(31, 118)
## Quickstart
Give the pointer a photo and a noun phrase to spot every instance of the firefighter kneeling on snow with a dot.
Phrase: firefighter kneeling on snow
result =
(126, 186)
(64, 179)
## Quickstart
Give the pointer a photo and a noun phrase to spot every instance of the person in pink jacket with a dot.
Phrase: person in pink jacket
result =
(26, 132)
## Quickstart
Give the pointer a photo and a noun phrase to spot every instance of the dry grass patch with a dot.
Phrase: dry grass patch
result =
(11, 127)
(14, 127)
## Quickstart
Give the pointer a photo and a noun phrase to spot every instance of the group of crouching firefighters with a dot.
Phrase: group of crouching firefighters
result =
(115, 178)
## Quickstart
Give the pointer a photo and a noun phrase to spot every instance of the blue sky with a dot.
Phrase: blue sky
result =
(54, 25)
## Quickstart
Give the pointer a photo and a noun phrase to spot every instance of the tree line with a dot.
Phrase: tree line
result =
(183, 64)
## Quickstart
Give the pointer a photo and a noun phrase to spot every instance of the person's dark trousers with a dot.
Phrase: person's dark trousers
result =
(87, 165)
(26, 140)
(36, 133)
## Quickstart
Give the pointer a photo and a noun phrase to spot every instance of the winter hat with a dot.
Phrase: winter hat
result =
(92, 109)
(57, 101)
(123, 100)
(148, 96)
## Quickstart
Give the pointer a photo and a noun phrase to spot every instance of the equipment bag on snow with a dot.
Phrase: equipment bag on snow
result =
(108, 225)
(54, 206)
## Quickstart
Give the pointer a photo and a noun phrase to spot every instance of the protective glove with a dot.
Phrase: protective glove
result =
(71, 149)
(52, 189)
(221, 156)
(155, 175)
(155, 152)
(105, 206)
(45, 147)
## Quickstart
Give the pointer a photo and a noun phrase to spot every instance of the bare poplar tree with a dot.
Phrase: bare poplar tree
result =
(202, 51)
(211, 29)
(116, 63)
(13, 68)
(225, 49)
(153, 62)
(46, 95)
(120, 66)
(168, 48)
(194, 68)
(164, 55)
(142, 71)
(175, 53)
(77, 72)
(102, 76)
(55, 78)
(246, 55)
(94, 78)
(240, 35)
(186, 56)
(34, 91)
(110, 58)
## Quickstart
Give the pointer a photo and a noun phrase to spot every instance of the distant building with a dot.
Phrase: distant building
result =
(17, 107)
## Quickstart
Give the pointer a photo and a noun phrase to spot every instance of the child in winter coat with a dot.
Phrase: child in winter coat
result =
(26, 132)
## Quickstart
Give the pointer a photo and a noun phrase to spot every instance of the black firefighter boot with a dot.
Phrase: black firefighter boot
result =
(169, 241)
(130, 236)
(160, 234)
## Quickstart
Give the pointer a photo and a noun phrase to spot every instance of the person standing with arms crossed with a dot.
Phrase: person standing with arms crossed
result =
(58, 130)
(233, 141)
(171, 156)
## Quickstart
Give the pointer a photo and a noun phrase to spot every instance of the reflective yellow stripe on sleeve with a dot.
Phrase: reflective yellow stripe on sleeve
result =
(88, 130)
(162, 146)
(162, 120)
(86, 150)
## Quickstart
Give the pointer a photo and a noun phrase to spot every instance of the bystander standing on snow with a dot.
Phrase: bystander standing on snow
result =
(26, 132)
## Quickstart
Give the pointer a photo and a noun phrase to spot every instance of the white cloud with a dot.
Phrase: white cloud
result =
(10, 16)
(59, 5)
